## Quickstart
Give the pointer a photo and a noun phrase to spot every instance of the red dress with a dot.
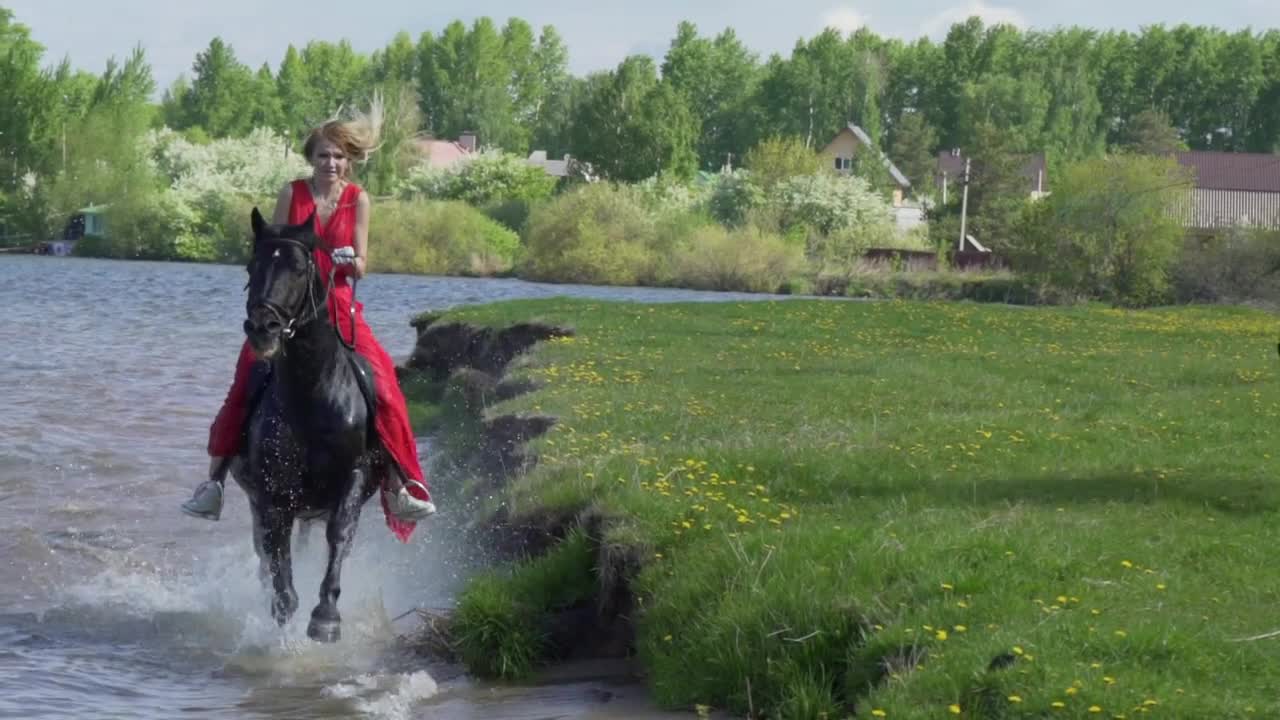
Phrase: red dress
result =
(392, 418)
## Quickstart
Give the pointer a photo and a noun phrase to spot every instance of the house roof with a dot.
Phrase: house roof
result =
(554, 168)
(1249, 172)
(442, 153)
(1036, 169)
(866, 141)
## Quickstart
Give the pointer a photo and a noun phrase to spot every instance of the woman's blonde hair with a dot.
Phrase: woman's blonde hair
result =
(358, 135)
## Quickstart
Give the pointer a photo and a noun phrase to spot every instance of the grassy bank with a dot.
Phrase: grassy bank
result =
(908, 509)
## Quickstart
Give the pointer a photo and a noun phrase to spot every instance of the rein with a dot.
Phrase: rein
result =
(311, 313)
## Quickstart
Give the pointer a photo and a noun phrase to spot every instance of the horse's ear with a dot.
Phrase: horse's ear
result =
(306, 230)
(255, 218)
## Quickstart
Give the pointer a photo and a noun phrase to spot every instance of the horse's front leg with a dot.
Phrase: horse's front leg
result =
(326, 622)
(277, 529)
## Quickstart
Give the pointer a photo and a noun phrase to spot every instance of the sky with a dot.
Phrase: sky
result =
(598, 33)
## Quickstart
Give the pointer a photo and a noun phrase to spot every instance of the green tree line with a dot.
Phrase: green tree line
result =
(1070, 92)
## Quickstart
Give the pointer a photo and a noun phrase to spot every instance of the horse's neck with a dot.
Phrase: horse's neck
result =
(311, 357)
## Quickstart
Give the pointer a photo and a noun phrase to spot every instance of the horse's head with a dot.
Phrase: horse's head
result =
(284, 287)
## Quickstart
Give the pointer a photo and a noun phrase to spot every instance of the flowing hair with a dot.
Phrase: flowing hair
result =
(359, 134)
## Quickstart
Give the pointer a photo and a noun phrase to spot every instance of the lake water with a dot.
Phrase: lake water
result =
(115, 605)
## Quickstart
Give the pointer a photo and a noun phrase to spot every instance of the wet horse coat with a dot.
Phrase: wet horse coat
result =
(309, 452)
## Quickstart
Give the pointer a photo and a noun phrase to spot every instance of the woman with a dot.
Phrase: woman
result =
(342, 226)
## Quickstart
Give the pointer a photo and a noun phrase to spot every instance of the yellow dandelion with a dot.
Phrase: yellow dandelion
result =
(879, 713)
(948, 586)
(1057, 704)
(953, 709)
(1126, 563)
(941, 634)
(1015, 699)
(1095, 709)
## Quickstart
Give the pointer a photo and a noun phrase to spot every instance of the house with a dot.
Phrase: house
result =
(1231, 190)
(949, 176)
(554, 168)
(568, 167)
(845, 146)
(89, 221)
(443, 154)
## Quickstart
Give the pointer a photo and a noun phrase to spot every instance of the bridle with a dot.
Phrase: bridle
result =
(311, 307)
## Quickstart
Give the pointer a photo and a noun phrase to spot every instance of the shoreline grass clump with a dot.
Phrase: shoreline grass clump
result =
(918, 510)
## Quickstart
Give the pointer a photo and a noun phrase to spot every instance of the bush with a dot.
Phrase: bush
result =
(1108, 231)
(666, 194)
(744, 260)
(781, 158)
(1239, 265)
(489, 177)
(831, 204)
(598, 234)
(838, 217)
(511, 213)
(439, 238)
(733, 197)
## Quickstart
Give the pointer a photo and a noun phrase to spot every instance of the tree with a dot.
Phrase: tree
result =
(221, 89)
(911, 149)
(631, 126)
(336, 78)
(398, 62)
(1016, 107)
(1149, 133)
(780, 157)
(266, 110)
(1109, 230)
(551, 115)
(717, 78)
(293, 89)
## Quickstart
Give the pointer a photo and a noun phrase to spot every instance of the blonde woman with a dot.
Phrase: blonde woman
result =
(342, 225)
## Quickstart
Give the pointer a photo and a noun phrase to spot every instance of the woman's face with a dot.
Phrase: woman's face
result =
(329, 162)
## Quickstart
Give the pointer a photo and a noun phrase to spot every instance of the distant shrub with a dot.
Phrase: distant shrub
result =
(733, 196)
(744, 259)
(439, 238)
(489, 177)
(598, 233)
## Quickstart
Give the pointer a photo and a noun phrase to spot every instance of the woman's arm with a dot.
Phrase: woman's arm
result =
(283, 200)
(361, 236)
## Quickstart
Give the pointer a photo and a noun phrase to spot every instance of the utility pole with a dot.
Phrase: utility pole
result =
(964, 205)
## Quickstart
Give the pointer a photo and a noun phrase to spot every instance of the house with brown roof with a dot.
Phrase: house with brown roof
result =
(846, 145)
(949, 176)
(1231, 190)
(443, 154)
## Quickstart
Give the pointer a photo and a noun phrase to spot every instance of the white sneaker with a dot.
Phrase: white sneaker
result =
(407, 507)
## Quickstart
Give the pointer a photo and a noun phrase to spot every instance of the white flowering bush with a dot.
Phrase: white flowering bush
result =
(670, 195)
(489, 177)
(733, 196)
(254, 166)
(831, 203)
(840, 216)
(207, 191)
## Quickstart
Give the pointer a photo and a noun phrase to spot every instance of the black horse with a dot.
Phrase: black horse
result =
(310, 452)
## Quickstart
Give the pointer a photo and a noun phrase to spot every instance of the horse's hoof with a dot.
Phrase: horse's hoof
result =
(325, 631)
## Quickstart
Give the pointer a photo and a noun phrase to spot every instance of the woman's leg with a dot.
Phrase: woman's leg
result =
(407, 497)
(224, 441)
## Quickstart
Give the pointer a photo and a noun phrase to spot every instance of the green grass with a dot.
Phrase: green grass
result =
(851, 509)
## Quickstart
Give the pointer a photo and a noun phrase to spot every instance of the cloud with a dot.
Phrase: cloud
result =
(844, 18)
(938, 25)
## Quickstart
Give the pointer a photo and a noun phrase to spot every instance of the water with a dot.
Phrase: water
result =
(115, 605)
